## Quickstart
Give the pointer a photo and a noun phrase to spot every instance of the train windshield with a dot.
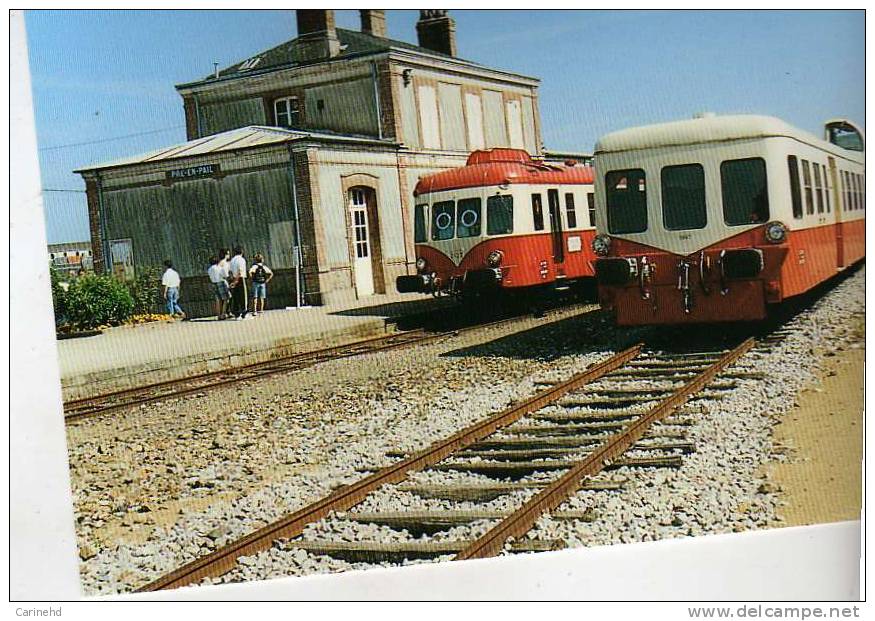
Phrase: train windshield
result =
(845, 136)
(745, 191)
(468, 222)
(683, 197)
(499, 215)
(626, 193)
(443, 220)
(420, 224)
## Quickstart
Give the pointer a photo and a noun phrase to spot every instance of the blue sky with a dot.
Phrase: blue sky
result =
(106, 77)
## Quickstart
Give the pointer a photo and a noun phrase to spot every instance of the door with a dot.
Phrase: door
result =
(121, 253)
(838, 205)
(556, 225)
(364, 274)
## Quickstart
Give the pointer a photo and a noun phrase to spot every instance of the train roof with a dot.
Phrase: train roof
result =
(711, 129)
(493, 167)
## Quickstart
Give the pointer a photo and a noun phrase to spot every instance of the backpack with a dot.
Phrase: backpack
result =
(260, 274)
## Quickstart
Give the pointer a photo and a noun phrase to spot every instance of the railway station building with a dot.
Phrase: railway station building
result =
(308, 153)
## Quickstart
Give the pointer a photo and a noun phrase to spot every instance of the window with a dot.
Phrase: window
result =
(745, 191)
(795, 189)
(853, 185)
(569, 210)
(818, 188)
(626, 195)
(537, 212)
(806, 182)
(590, 204)
(845, 136)
(683, 197)
(468, 221)
(499, 214)
(443, 219)
(287, 112)
(428, 117)
(420, 224)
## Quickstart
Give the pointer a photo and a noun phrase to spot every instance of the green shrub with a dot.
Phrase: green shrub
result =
(59, 295)
(145, 289)
(93, 300)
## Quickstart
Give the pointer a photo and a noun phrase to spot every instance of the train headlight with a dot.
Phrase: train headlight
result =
(601, 245)
(776, 232)
(421, 265)
(493, 259)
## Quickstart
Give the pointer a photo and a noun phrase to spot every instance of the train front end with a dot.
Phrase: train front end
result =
(693, 222)
(504, 222)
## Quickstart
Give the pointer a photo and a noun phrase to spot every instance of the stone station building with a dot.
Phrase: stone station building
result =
(320, 139)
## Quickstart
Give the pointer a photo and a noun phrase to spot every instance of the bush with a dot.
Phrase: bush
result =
(59, 295)
(93, 300)
(145, 289)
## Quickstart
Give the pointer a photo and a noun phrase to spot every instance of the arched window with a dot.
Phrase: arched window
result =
(287, 112)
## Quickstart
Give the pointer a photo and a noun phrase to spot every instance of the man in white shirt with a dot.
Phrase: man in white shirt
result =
(171, 282)
(239, 304)
(220, 287)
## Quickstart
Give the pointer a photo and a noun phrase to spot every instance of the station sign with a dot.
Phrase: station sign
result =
(193, 172)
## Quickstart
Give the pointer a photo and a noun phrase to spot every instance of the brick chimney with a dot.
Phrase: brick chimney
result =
(317, 34)
(374, 22)
(437, 31)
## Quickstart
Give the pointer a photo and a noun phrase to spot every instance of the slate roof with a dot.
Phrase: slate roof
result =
(352, 44)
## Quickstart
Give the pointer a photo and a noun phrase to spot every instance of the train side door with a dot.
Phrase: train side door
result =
(839, 206)
(556, 225)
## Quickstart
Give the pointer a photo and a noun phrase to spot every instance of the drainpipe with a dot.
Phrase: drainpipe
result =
(296, 248)
(197, 116)
(377, 99)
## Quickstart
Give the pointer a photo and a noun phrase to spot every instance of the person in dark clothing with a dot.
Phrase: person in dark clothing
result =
(239, 299)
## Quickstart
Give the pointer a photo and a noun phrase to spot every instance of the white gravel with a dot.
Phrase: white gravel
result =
(239, 458)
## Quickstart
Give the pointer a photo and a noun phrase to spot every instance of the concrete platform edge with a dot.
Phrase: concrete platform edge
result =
(91, 384)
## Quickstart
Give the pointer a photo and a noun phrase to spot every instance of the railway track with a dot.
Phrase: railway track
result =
(537, 454)
(80, 409)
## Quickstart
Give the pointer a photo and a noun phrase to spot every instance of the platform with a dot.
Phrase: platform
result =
(131, 356)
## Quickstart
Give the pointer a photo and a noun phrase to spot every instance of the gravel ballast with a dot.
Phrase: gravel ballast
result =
(173, 481)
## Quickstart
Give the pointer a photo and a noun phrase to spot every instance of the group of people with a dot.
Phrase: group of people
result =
(228, 276)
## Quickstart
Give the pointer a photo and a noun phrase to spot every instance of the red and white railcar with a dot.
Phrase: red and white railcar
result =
(502, 222)
(715, 218)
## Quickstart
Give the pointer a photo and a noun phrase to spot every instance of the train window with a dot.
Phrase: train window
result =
(818, 188)
(537, 212)
(443, 219)
(846, 191)
(499, 214)
(626, 194)
(795, 189)
(570, 211)
(858, 194)
(683, 197)
(853, 186)
(468, 220)
(745, 191)
(420, 224)
(806, 184)
(590, 204)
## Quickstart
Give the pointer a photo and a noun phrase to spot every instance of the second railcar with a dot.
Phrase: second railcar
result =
(503, 222)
